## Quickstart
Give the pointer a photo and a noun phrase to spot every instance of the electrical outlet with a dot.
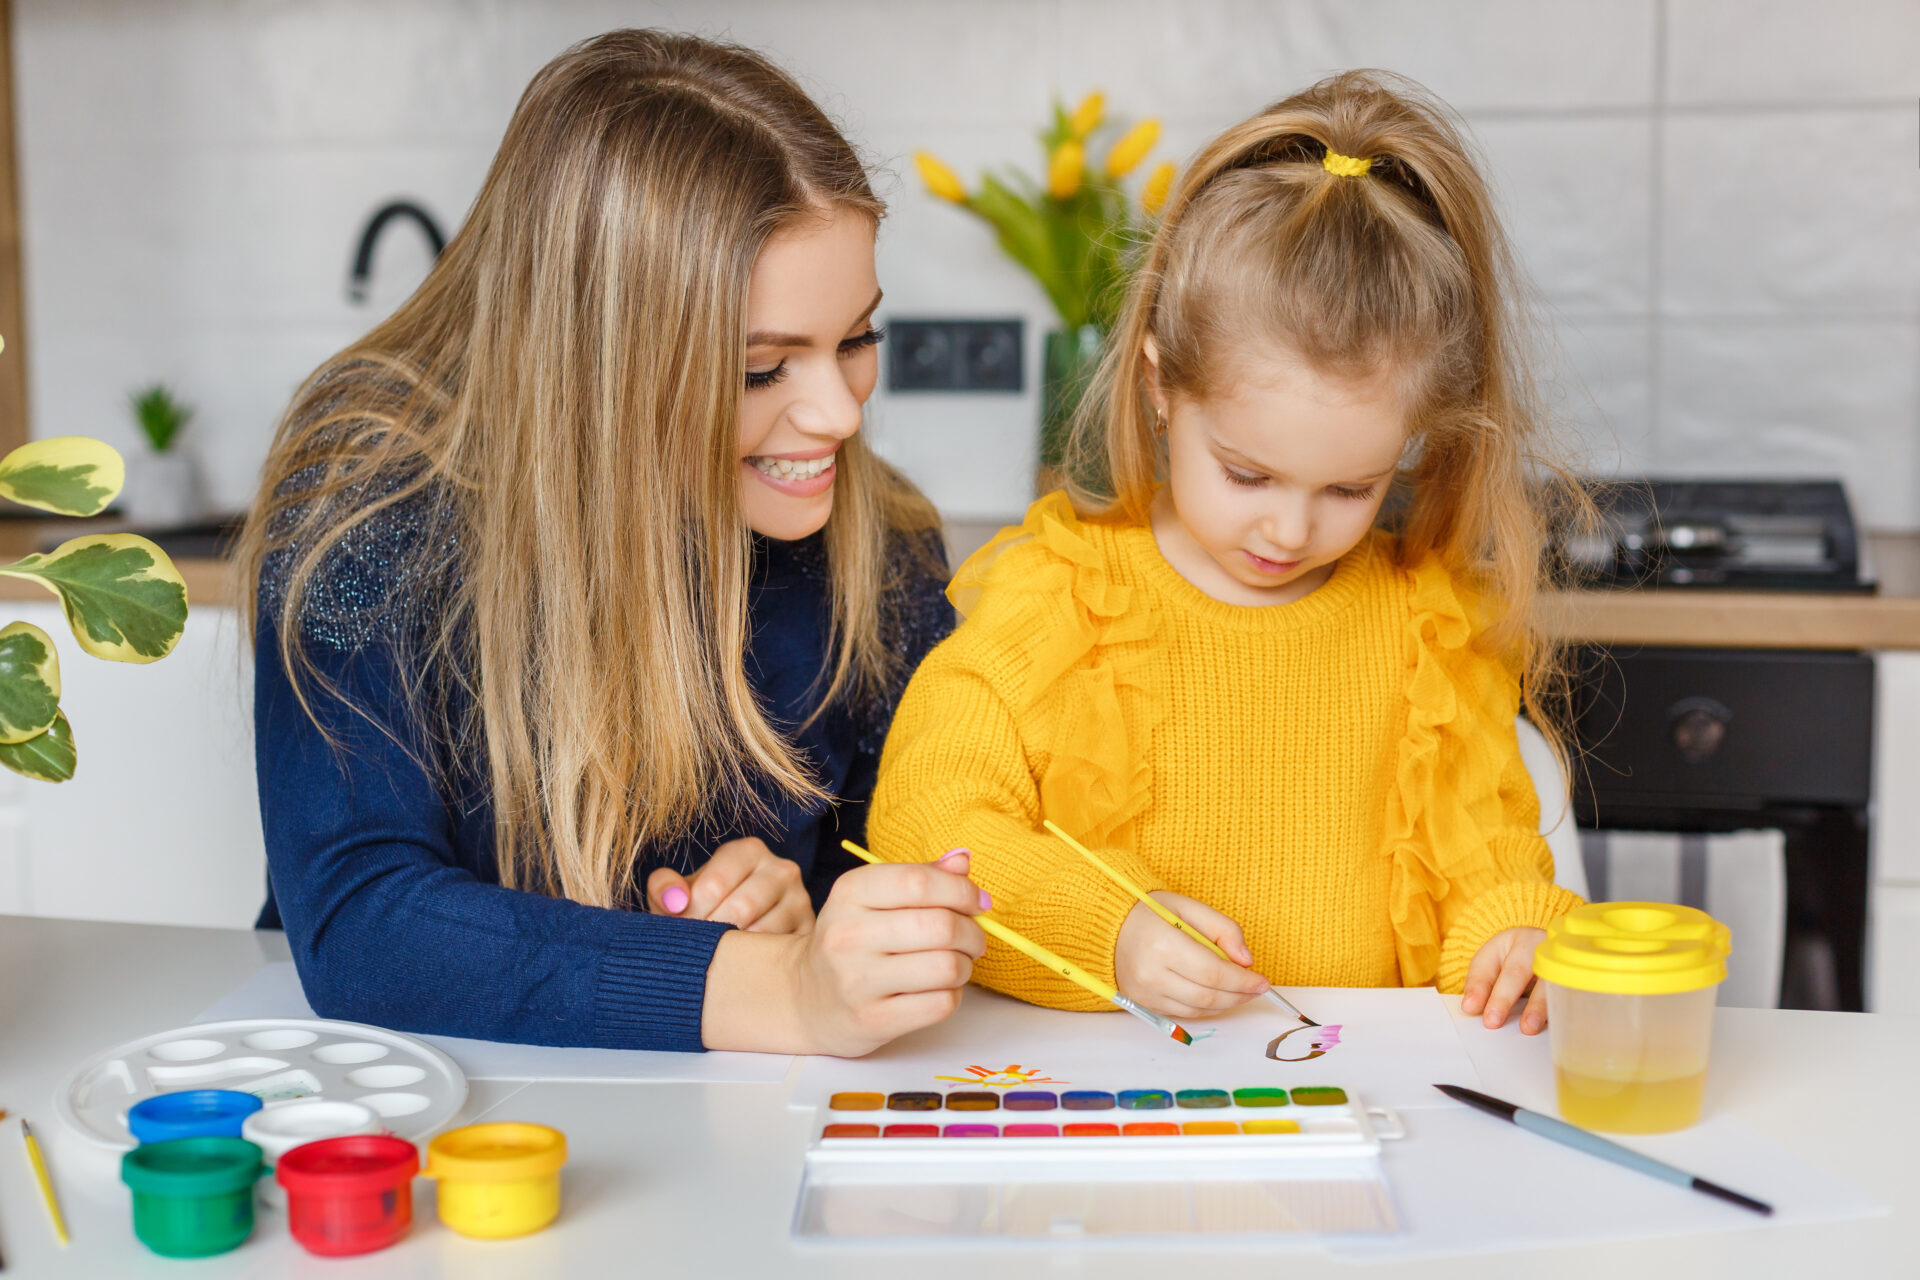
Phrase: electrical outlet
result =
(956, 355)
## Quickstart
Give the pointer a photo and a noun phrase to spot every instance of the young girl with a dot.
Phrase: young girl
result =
(577, 594)
(1220, 669)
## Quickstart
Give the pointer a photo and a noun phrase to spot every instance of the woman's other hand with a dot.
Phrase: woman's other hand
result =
(744, 884)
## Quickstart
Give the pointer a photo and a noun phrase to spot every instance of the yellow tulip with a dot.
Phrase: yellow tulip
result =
(1132, 148)
(1066, 168)
(1153, 195)
(1087, 116)
(940, 180)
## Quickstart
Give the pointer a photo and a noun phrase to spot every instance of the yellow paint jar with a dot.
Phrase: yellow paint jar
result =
(498, 1180)
(1630, 992)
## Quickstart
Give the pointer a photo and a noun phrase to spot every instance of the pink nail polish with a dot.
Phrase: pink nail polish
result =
(674, 899)
(986, 900)
(941, 861)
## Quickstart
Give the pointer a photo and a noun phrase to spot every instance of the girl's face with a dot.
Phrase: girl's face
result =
(1273, 479)
(811, 365)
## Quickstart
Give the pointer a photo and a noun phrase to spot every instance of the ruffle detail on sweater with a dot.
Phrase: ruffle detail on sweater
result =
(1437, 842)
(1047, 580)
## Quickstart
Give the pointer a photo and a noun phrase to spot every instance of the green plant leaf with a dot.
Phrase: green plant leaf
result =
(29, 682)
(1026, 232)
(123, 598)
(47, 757)
(67, 475)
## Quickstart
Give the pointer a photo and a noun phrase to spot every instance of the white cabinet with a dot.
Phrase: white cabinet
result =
(1893, 957)
(160, 823)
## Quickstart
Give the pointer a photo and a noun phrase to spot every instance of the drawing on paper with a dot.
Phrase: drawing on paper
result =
(1012, 1076)
(1313, 1044)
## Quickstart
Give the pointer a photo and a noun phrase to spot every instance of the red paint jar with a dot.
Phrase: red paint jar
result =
(349, 1195)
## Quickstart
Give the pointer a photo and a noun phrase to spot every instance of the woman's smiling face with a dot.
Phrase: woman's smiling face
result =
(811, 364)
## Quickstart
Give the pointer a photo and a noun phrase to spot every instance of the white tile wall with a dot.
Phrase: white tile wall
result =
(1719, 200)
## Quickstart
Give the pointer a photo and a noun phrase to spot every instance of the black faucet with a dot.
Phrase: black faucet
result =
(363, 256)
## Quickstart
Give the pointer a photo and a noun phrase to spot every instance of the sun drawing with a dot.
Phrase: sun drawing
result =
(1011, 1076)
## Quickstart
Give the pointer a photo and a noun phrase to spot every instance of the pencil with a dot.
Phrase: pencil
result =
(46, 1183)
(1147, 900)
(1072, 973)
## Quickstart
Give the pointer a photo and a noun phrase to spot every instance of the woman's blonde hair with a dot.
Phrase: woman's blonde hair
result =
(561, 396)
(1400, 269)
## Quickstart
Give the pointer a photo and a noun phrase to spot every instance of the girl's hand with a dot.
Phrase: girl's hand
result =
(1170, 973)
(744, 884)
(1502, 972)
(892, 949)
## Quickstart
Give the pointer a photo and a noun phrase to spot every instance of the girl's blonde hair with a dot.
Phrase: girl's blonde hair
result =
(1399, 269)
(561, 396)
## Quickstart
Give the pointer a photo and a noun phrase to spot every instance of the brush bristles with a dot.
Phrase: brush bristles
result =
(1180, 1034)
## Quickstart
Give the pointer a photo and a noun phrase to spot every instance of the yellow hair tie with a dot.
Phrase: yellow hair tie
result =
(1344, 166)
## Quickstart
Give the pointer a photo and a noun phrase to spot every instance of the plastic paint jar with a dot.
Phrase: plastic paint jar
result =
(349, 1195)
(278, 1130)
(498, 1180)
(191, 1113)
(1630, 991)
(192, 1197)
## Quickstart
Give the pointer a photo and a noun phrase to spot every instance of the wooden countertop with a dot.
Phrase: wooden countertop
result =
(1889, 619)
(1686, 618)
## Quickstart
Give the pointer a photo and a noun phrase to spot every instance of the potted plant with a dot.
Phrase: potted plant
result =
(165, 488)
(1075, 233)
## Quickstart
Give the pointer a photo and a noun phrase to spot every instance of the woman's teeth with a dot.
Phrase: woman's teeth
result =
(792, 468)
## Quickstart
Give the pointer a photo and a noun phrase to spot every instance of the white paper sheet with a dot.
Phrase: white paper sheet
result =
(1469, 1183)
(1393, 1045)
(274, 992)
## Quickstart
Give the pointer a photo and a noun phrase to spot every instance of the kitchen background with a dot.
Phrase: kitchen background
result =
(1718, 202)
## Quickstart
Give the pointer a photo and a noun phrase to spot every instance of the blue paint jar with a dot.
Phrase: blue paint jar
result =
(192, 1113)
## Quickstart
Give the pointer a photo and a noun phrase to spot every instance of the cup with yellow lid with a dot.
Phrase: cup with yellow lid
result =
(1630, 992)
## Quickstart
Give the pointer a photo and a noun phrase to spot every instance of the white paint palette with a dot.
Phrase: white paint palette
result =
(413, 1087)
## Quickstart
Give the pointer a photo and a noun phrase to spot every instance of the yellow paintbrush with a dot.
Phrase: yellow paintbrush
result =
(1167, 915)
(46, 1183)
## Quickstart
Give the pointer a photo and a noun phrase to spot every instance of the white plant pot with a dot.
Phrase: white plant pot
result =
(163, 489)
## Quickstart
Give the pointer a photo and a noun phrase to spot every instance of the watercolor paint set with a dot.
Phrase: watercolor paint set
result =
(1080, 1162)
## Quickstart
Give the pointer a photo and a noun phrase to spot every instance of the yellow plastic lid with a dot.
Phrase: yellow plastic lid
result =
(1634, 949)
(496, 1153)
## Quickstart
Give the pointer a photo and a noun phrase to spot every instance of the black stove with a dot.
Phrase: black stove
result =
(1733, 535)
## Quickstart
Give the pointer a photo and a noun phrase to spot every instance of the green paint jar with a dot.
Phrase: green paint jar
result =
(192, 1197)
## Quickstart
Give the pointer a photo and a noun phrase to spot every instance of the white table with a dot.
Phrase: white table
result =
(699, 1180)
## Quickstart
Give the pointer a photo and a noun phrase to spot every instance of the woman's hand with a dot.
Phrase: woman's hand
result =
(1169, 972)
(1500, 973)
(892, 949)
(744, 884)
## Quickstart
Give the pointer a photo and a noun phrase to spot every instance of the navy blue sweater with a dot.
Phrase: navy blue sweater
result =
(382, 871)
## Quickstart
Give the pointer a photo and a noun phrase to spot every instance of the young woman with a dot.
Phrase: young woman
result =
(576, 594)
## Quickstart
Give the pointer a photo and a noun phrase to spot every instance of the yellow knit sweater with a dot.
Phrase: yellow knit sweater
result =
(1339, 775)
